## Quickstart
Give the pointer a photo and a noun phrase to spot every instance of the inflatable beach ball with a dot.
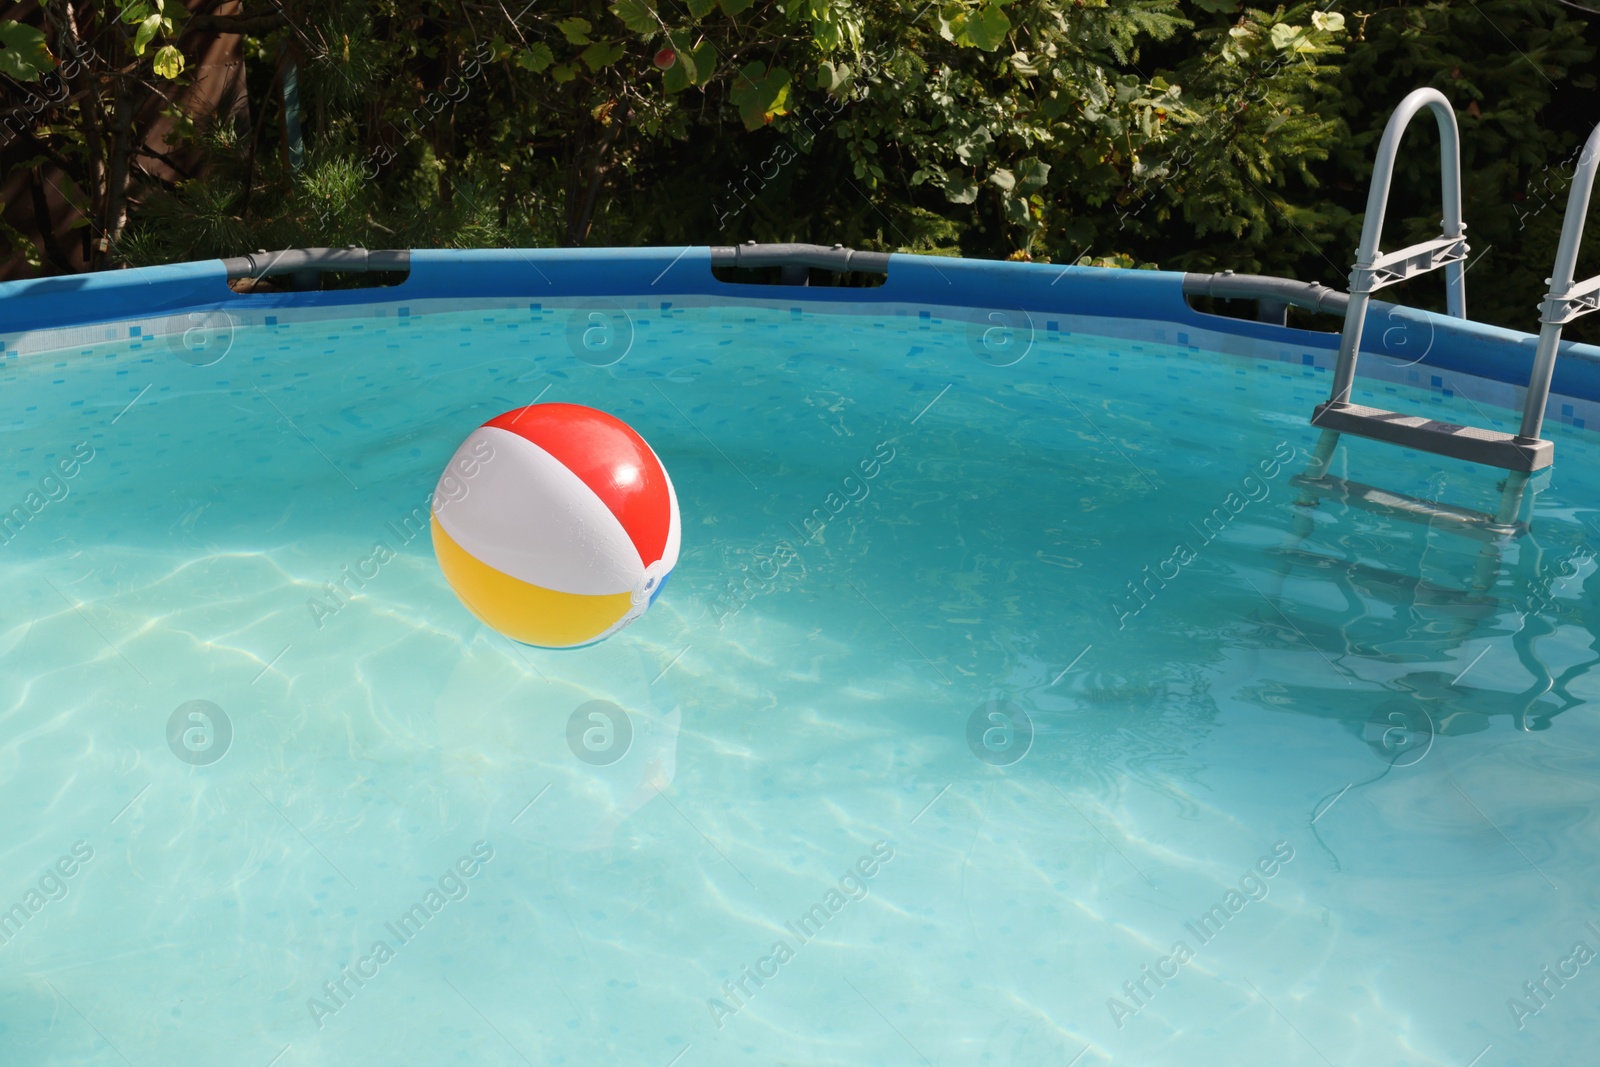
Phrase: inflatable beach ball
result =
(556, 524)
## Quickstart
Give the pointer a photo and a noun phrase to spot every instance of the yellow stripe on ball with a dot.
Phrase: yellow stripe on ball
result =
(527, 613)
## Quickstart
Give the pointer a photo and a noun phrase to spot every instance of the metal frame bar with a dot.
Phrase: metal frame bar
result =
(1269, 293)
(794, 259)
(821, 257)
(1567, 299)
(1373, 270)
(264, 264)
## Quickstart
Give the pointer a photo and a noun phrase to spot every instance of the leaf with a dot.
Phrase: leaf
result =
(563, 73)
(147, 32)
(973, 146)
(961, 191)
(694, 66)
(986, 29)
(1004, 179)
(134, 10)
(638, 15)
(575, 30)
(679, 76)
(1287, 38)
(759, 94)
(701, 8)
(1025, 66)
(602, 54)
(168, 63)
(733, 7)
(705, 62)
(536, 57)
(1032, 173)
(24, 55)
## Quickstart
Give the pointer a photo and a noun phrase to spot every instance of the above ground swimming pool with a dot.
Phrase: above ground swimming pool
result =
(1016, 698)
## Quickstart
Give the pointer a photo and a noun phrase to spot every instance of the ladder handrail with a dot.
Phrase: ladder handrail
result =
(1562, 280)
(1364, 280)
(1450, 176)
(1567, 298)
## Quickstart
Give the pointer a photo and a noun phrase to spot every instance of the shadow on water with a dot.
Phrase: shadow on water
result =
(1404, 632)
(1395, 604)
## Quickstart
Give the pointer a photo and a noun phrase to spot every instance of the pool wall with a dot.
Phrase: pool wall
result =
(154, 295)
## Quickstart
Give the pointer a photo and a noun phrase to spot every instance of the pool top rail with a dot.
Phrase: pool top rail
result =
(166, 299)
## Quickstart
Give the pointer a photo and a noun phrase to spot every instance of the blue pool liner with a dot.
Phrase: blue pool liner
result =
(1474, 348)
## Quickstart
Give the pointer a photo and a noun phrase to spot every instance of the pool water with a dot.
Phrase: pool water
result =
(999, 711)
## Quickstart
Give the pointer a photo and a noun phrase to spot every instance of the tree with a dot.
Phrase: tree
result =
(1189, 135)
(84, 113)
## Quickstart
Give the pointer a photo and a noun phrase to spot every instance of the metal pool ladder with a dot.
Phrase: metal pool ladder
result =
(1568, 299)
(1374, 270)
(1522, 453)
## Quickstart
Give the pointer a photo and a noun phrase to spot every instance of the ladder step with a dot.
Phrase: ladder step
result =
(1474, 444)
(1465, 521)
(1392, 587)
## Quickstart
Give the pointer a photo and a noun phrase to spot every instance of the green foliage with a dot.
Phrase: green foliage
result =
(24, 55)
(1188, 134)
(206, 213)
(760, 93)
(983, 25)
(17, 241)
(155, 19)
(168, 62)
(638, 15)
(1520, 76)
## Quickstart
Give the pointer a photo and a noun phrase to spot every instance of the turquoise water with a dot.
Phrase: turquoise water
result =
(913, 777)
